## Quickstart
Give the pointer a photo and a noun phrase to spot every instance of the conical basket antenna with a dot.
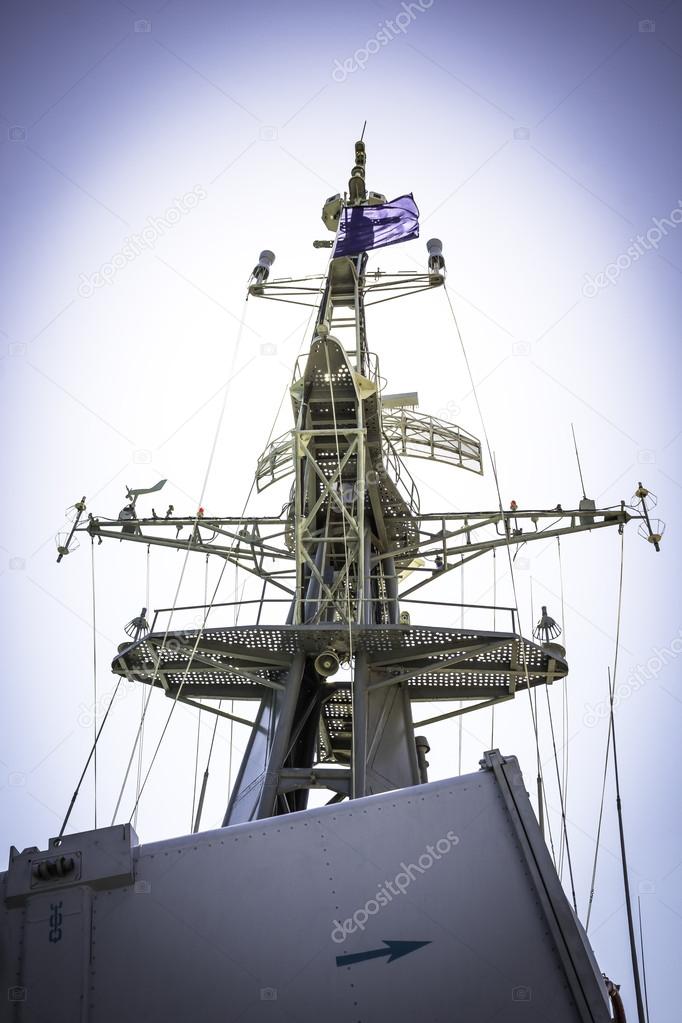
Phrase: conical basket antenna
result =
(547, 629)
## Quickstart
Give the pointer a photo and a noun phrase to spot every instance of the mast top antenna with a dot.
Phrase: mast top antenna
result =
(357, 190)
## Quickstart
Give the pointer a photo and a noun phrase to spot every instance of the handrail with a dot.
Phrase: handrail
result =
(368, 600)
(410, 494)
(422, 436)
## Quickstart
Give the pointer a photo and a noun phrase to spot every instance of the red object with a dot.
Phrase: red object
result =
(513, 506)
(200, 512)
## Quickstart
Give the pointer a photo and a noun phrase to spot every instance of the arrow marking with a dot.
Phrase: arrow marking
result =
(393, 950)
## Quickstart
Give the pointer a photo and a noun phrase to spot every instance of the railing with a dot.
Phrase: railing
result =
(492, 611)
(421, 436)
(276, 461)
(401, 477)
(470, 617)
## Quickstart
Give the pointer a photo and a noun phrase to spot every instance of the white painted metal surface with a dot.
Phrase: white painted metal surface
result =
(256, 922)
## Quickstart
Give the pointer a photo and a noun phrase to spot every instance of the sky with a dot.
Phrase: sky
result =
(147, 154)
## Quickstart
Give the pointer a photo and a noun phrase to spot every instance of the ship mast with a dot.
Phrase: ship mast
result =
(336, 682)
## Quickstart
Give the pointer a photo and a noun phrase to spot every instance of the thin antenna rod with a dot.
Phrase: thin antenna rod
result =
(626, 881)
(363, 131)
(577, 458)
(641, 946)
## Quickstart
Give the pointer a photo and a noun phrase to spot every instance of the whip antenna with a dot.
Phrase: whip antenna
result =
(577, 458)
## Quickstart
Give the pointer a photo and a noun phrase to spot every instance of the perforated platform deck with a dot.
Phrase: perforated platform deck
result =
(435, 663)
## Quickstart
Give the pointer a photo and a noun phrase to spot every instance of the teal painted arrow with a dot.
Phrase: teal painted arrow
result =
(394, 950)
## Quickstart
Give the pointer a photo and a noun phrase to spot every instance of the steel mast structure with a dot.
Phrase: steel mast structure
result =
(450, 880)
(350, 533)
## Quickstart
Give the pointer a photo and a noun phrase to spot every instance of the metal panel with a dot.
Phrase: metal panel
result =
(255, 793)
(289, 919)
(102, 859)
(55, 957)
(391, 751)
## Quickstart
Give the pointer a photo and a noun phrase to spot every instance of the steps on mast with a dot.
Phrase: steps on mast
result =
(332, 391)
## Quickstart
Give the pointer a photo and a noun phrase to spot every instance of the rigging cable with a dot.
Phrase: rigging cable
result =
(357, 499)
(535, 690)
(621, 832)
(94, 672)
(492, 709)
(461, 716)
(90, 756)
(599, 824)
(138, 779)
(565, 707)
(140, 732)
(200, 631)
(204, 782)
(564, 832)
(563, 835)
(192, 536)
(96, 731)
(237, 612)
(360, 596)
(641, 947)
(626, 880)
(541, 790)
(542, 795)
(522, 647)
(564, 711)
(196, 755)
(188, 666)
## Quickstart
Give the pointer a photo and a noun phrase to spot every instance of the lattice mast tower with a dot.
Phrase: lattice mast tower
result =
(350, 534)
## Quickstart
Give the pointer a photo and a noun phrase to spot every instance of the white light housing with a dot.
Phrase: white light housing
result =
(261, 270)
(434, 247)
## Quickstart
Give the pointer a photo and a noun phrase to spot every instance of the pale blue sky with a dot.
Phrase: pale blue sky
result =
(539, 140)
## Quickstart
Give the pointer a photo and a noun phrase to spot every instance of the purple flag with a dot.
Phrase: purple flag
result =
(371, 227)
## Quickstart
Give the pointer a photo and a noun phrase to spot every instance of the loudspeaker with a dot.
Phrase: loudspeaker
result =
(327, 663)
